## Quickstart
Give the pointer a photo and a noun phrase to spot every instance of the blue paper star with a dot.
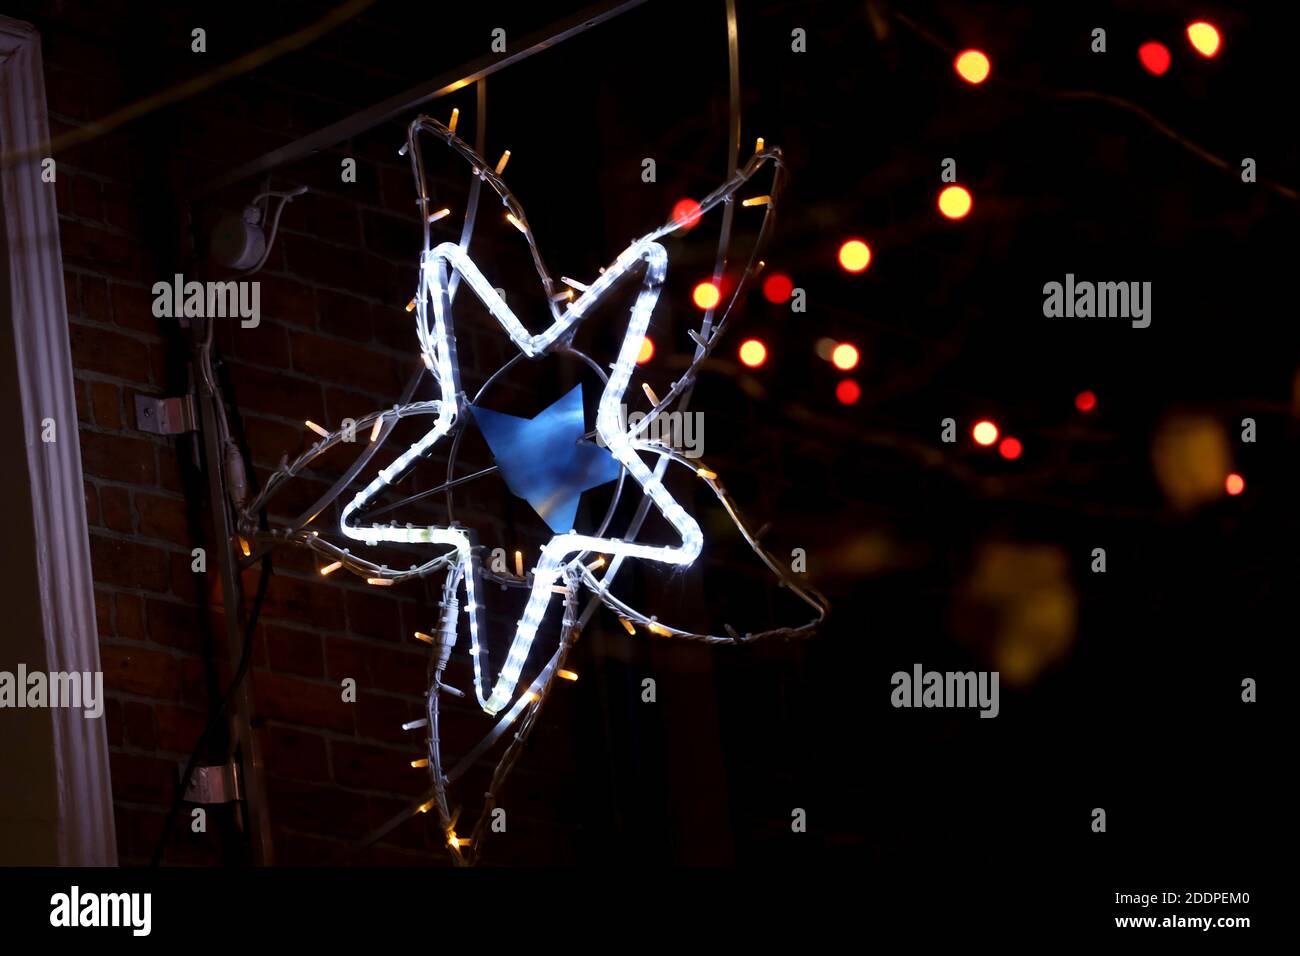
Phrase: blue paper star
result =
(543, 460)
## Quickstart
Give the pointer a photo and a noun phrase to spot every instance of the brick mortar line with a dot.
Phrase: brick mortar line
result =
(155, 490)
(135, 537)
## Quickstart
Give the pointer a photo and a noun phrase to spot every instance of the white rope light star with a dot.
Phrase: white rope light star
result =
(563, 566)
(438, 347)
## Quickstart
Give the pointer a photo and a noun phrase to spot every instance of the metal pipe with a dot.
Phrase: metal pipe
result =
(252, 769)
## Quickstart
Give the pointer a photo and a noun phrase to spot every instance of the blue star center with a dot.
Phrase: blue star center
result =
(543, 459)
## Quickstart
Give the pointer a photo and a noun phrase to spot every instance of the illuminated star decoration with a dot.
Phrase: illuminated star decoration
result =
(561, 566)
(438, 348)
(542, 459)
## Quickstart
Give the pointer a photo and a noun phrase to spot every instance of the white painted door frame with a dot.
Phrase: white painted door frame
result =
(56, 803)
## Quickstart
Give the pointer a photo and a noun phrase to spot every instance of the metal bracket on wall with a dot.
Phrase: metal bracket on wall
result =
(219, 784)
(165, 416)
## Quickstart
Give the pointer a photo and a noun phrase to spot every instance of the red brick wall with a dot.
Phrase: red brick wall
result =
(334, 341)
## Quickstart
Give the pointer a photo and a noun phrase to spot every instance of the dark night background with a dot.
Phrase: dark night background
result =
(1120, 690)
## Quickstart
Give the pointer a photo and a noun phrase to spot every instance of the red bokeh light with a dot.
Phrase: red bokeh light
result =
(1155, 57)
(687, 212)
(1010, 448)
(777, 288)
(848, 392)
(1085, 401)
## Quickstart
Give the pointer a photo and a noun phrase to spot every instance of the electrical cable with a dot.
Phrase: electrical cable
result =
(285, 198)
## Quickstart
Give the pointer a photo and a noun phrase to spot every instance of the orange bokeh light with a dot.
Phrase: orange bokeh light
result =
(706, 295)
(985, 433)
(1234, 484)
(844, 356)
(972, 66)
(955, 202)
(855, 255)
(753, 353)
(647, 351)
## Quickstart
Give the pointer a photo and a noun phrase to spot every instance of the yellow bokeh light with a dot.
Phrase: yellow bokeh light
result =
(985, 433)
(706, 295)
(855, 255)
(1204, 38)
(844, 356)
(753, 353)
(955, 202)
(972, 66)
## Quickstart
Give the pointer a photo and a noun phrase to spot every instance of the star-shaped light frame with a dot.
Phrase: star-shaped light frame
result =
(562, 559)
(440, 268)
(438, 347)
